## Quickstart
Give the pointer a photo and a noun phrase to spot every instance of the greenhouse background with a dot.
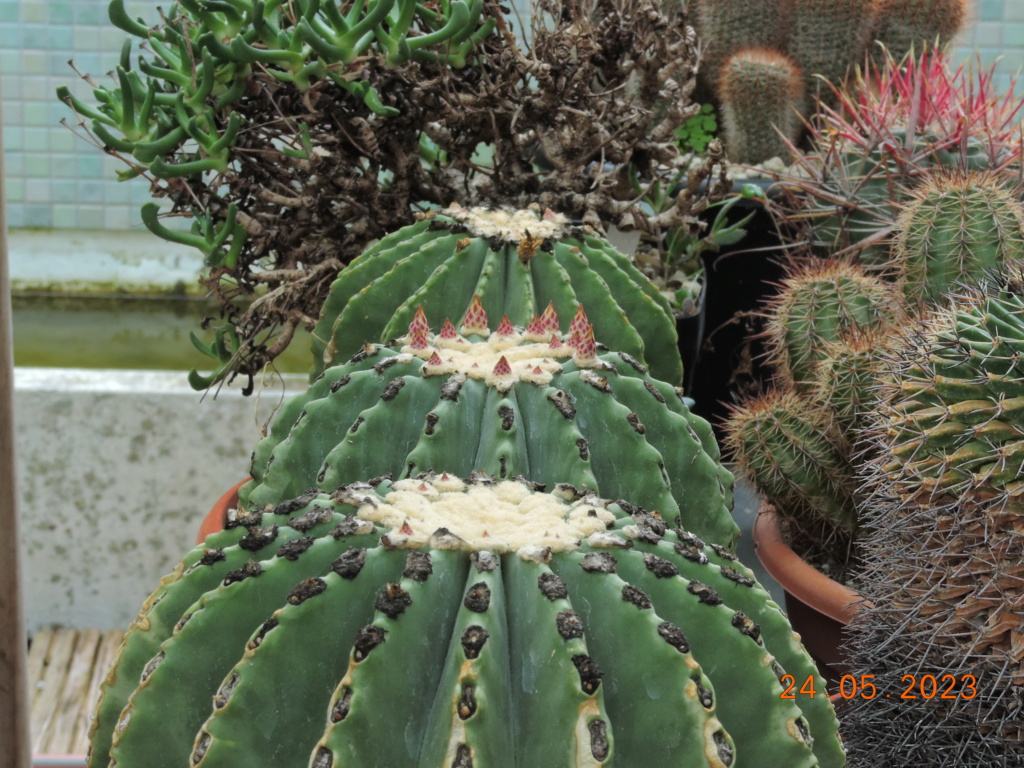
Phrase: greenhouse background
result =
(57, 180)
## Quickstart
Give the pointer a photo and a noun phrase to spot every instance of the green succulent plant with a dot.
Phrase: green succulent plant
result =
(439, 621)
(799, 443)
(533, 402)
(518, 263)
(956, 229)
(292, 135)
(943, 550)
(761, 91)
(821, 303)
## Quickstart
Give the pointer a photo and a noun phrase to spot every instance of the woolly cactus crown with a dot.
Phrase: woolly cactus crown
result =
(517, 262)
(519, 401)
(610, 641)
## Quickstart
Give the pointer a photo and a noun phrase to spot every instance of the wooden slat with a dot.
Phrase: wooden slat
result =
(48, 694)
(36, 664)
(74, 695)
(109, 645)
(66, 667)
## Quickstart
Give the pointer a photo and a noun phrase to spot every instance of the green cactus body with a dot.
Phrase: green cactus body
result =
(517, 263)
(828, 38)
(942, 558)
(534, 403)
(726, 26)
(918, 24)
(847, 376)
(202, 569)
(956, 228)
(953, 407)
(761, 91)
(481, 623)
(787, 447)
(819, 304)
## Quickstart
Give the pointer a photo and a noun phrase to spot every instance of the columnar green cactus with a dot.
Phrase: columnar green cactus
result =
(820, 303)
(726, 26)
(761, 90)
(847, 375)
(789, 450)
(826, 38)
(517, 263)
(942, 559)
(904, 25)
(444, 622)
(530, 402)
(956, 228)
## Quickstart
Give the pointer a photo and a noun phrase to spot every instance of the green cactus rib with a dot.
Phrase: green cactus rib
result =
(615, 650)
(197, 655)
(441, 263)
(957, 228)
(719, 570)
(288, 699)
(786, 446)
(200, 571)
(610, 428)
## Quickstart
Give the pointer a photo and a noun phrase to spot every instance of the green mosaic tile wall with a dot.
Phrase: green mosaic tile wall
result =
(56, 180)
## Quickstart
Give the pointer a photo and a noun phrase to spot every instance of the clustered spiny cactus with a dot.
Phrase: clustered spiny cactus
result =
(944, 545)
(791, 46)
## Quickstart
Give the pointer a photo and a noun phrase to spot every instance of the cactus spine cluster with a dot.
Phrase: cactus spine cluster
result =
(789, 449)
(942, 559)
(956, 229)
(761, 91)
(563, 630)
(443, 261)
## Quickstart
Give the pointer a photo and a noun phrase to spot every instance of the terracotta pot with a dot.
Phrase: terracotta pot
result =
(818, 607)
(218, 515)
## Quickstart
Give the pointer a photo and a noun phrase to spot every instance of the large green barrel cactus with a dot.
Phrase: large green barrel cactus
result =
(533, 402)
(957, 227)
(441, 622)
(942, 558)
(517, 263)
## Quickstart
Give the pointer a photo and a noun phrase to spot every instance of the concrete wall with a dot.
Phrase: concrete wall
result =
(116, 470)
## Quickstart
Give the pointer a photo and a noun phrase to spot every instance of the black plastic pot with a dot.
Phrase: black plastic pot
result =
(730, 359)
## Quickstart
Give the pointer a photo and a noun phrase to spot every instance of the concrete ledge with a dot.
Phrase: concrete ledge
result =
(116, 469)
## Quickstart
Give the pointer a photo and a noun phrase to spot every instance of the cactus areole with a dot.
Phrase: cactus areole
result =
(517, 262)
(468, 623)
(536, 401)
